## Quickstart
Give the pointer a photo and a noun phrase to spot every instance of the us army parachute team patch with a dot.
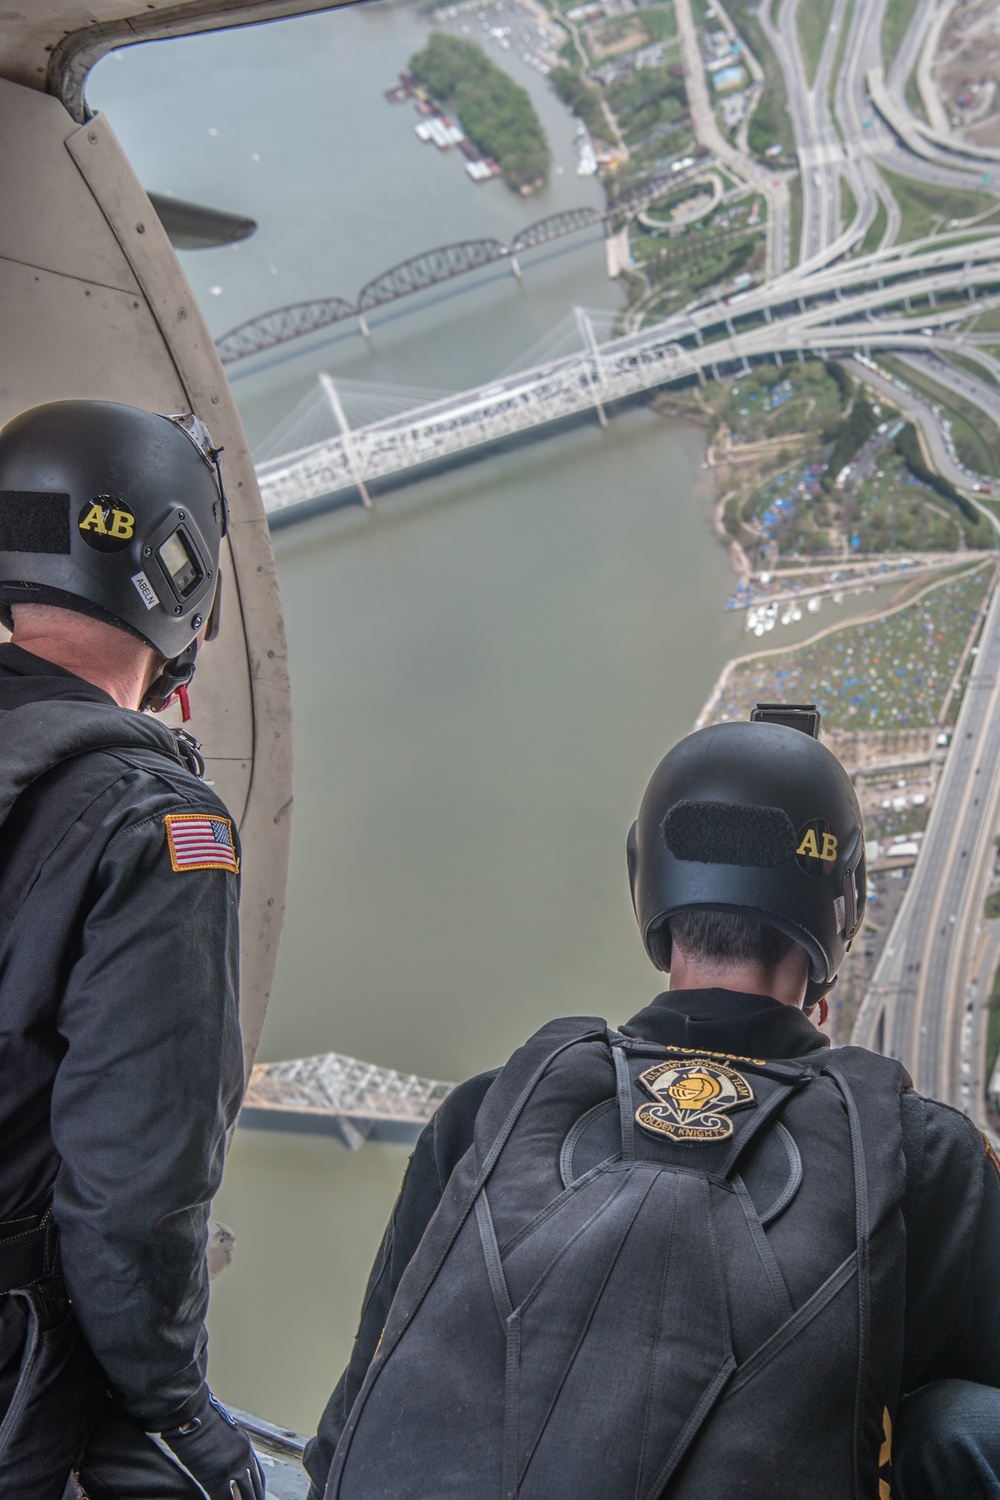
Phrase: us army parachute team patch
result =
(198, 842)
(692, 1098)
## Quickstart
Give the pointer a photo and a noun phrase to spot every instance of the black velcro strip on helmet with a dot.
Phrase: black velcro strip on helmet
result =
(726, 833)
(34, 521)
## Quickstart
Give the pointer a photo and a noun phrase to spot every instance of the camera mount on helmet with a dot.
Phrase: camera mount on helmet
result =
(760, 819)
(118, 513)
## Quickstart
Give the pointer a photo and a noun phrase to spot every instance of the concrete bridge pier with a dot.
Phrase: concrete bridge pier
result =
(515, 265)
(365, 330)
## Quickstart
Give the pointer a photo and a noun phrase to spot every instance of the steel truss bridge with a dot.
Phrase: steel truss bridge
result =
(341, 1096)
(430, 268)
(867, 304)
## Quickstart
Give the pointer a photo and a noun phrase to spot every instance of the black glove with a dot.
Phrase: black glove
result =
(217, 1453)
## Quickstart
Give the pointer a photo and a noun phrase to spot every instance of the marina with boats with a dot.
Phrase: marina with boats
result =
(437, 128)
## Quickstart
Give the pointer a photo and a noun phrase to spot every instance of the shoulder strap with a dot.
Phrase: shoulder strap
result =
(38, 736)
(871, 1086)
(513, 1085)
(498, 1114)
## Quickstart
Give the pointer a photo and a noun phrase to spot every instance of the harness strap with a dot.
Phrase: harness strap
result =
(27, 1250)
(862, 1218)
(626, 1106)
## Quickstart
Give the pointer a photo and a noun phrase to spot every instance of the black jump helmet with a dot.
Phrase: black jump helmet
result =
(117, 513)
(758, 819)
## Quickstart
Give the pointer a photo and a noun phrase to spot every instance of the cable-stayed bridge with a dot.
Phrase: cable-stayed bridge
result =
(892, 300)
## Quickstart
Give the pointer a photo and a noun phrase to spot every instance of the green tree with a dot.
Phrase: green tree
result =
(496, 113)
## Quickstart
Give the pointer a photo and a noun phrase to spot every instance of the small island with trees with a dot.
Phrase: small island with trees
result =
(495, 112)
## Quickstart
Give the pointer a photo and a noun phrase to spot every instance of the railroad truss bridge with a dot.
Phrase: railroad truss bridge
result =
(430, 268)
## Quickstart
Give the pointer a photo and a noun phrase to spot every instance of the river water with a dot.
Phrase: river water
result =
(485, 671)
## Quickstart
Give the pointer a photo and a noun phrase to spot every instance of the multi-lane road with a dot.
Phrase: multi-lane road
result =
(852, 123)
(923, 990)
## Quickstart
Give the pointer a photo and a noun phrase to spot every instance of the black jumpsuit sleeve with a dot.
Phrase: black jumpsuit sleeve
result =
(952, 1212)
(149, 1084)
(440, 1148)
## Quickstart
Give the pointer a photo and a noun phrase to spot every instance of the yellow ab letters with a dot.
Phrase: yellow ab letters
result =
(106, 525)
(94, 520)
(810, 845)
(122, 524)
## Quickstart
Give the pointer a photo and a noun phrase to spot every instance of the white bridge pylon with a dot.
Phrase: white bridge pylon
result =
(847, 308)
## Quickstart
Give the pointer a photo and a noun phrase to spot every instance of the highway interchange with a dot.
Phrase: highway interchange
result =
(927, 1000)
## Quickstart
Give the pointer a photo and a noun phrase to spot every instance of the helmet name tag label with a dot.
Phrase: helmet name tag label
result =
(145, 590)
(693, 1098)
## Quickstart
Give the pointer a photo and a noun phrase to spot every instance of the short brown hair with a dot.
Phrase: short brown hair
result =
(728, 937)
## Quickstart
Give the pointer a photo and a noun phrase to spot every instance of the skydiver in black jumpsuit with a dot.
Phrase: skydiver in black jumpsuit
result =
(545, 1312)
(120, 1052)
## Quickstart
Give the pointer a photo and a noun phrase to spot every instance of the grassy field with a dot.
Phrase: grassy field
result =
(976, 437)
(887, 823)
(692, 262)
(972, 366)
(774, 402)
(649, 101)
(711, 250)
(789, 512)
(875, 231)
(926, 209)
(838, 62)
(848, 204)
(812, 21)
(987, 321)
(898, 15)
(893, 512)
(913, 97)
(893, 672)
(783, 506)
(658, 22)
(770, 123)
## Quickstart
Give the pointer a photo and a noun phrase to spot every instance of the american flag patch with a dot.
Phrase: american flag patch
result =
(198, 842)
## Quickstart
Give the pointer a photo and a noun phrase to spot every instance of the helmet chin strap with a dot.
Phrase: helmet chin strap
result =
(816, 993)
(172, 683)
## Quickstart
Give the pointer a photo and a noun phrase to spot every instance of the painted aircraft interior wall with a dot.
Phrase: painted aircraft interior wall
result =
(93, 303)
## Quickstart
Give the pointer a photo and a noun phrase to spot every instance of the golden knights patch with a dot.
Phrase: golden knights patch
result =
(692, 1097)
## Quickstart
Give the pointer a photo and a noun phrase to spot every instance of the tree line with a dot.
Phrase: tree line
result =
(495, 112)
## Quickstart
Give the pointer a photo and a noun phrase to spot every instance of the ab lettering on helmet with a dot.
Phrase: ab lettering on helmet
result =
(105, 524)
(816, 850)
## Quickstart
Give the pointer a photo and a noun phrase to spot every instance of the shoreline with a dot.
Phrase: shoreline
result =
(734, 662)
